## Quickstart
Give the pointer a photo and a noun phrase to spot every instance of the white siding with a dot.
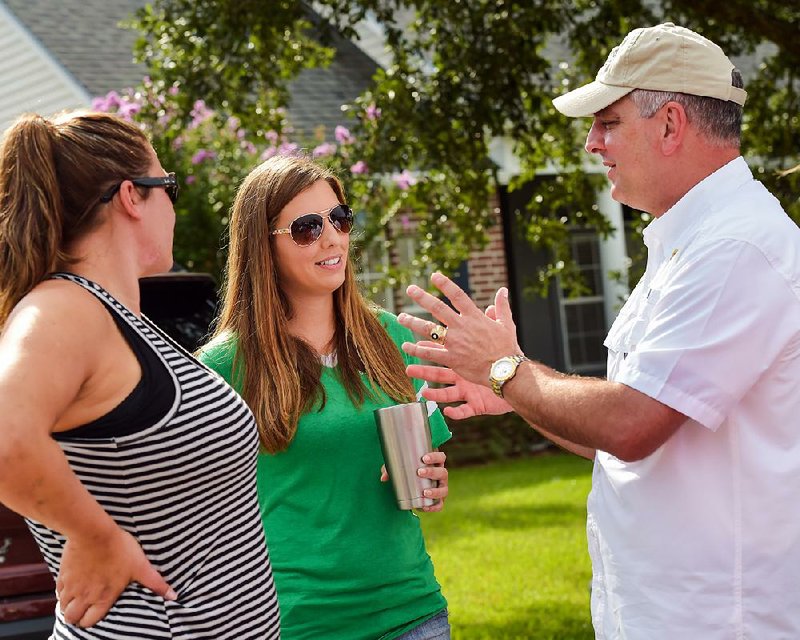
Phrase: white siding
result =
(31, 79)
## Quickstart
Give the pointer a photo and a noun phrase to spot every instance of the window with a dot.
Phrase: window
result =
(369, 274)
(583, 318)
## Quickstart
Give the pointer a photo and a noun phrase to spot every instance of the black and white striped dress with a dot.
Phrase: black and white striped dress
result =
(185, 488)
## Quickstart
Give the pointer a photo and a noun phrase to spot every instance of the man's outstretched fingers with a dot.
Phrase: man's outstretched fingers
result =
(457, 296)
(461, 412)
(439, 356)
(503, 307)
(438, 309)
(444, 395)
(439, 375)
(422, 328)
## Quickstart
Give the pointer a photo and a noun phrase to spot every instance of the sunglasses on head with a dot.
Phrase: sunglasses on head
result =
(307, 229)
(169, 183)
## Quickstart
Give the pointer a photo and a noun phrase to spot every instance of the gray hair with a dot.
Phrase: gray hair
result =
(718, 120)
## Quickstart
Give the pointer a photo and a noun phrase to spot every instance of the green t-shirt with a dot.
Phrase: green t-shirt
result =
(348, 564)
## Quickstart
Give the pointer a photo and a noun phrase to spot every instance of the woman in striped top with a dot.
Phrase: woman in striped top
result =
(133, 464)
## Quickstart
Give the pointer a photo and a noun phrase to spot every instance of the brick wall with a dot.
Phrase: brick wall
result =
(488, 268)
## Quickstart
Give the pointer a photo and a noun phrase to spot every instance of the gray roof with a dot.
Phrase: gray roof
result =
(86, 38)
(318, 94)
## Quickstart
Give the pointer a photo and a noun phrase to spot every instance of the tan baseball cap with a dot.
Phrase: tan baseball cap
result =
(661, 58)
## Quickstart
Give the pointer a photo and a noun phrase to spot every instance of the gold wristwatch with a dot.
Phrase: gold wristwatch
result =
(503, 370)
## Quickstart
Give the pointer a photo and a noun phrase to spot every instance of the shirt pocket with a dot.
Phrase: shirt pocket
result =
(631, 324)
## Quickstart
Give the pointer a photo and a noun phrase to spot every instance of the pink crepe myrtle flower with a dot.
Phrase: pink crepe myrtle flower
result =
(203, 154)
(158, 100)
(268, 153)
(343, 135)
(404, 179)
(200, 113)
(191, 179)
(359, 167)
(288, 148)
(112, 99)
(128, 108)
(107, 103)
(99, 104)
(373, 112)
(325, 149)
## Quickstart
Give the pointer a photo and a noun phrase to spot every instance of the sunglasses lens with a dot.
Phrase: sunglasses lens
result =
(307, 229)
(341, 218)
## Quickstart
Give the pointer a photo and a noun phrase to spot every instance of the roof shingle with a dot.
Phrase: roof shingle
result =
(85, 36)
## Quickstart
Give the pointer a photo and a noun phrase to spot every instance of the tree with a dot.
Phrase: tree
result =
(463, 72)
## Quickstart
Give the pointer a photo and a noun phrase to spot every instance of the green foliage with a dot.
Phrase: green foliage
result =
(509, 549)
(237, 55)
(464, 72)
(210, 156)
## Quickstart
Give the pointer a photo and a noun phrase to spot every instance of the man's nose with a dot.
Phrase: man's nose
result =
(594, 140)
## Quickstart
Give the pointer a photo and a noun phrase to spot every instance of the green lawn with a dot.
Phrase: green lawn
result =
(510, 549)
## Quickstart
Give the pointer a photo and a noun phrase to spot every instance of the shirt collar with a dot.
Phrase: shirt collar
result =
(675, 225)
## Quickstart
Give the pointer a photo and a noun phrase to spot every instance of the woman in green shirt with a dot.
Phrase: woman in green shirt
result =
(313, 360)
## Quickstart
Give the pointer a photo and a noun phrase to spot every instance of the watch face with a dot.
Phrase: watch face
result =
(502, 369)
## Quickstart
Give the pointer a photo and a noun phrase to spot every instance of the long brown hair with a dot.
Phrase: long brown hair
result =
(280, 374)
(52, 174)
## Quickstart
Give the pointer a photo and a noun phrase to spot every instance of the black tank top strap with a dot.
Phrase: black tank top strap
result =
(146, 405)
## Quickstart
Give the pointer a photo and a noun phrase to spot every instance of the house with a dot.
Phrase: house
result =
(56, 56)
(60, 55)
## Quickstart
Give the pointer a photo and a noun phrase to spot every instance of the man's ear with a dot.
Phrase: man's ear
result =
(130, 199)
(675, 127)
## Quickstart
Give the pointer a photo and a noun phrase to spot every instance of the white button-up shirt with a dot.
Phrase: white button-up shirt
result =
(701, 539)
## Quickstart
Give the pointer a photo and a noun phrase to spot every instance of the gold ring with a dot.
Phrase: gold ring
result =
(439, 334)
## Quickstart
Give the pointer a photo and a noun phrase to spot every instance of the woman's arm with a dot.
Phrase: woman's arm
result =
(48, 350)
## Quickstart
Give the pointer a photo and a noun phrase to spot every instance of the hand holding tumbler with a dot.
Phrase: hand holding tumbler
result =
(405, 437)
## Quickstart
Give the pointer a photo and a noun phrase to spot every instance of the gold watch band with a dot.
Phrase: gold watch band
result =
(497, 385)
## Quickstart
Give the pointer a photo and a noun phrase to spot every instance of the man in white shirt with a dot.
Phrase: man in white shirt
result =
(692, 522)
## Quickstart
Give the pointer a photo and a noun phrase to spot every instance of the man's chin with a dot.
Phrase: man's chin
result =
(619, 195)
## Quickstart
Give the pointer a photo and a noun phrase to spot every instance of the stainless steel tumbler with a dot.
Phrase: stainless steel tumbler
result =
(405, 437)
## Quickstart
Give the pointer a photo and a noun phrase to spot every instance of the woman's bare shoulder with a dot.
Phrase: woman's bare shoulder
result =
(58, 318)
(50, 346)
